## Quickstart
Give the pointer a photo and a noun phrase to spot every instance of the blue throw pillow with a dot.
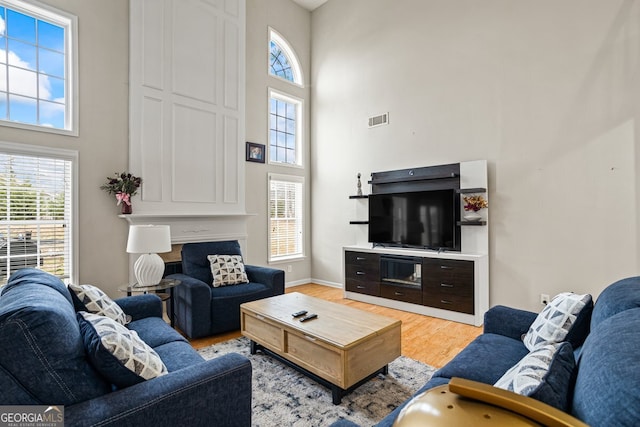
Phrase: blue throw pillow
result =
(118, 353)
(545, 374)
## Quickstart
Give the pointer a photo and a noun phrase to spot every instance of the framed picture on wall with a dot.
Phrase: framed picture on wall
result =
(255, 152)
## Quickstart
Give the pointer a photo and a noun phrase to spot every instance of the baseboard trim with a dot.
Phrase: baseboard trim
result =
(316, 281)
(327, 283)
(297, 283)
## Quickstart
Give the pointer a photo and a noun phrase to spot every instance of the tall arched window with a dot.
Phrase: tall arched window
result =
(283, 62)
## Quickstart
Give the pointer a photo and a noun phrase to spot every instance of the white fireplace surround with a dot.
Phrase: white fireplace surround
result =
(188, 228)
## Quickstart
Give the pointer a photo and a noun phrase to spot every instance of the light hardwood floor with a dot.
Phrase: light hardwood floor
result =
(427, 339)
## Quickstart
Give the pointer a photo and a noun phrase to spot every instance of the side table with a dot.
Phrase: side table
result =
(164, 285)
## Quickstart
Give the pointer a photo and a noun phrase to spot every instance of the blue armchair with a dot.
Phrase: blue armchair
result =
(202, 310)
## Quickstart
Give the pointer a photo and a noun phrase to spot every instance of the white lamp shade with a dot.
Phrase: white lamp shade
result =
(149, 239)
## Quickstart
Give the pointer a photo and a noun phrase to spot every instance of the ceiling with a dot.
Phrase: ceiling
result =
(310, 5)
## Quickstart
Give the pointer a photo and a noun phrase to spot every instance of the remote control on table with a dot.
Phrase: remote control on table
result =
(308, 317)
(299, 313)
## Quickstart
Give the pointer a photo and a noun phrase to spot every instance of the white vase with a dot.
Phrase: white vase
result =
(471, 216)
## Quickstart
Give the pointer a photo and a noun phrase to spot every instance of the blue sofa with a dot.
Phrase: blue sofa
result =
(202, 310)
(605, 390)
(43, 362)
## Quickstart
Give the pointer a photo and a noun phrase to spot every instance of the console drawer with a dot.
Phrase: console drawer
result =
(401, 293)
(447, 271)
(362, 259)
(448, 284)
(362, 272)
(362, 287)
(449, 301)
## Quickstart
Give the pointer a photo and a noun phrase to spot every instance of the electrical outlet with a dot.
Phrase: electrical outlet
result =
(289, 268)
(544, 299)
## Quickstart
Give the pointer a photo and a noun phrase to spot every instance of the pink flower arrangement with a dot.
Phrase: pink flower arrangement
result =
(123, 185)
(474, 203)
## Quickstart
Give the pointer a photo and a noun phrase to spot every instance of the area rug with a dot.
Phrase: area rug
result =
(284, 397)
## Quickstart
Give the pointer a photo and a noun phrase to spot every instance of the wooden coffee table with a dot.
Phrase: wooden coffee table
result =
(341, 349)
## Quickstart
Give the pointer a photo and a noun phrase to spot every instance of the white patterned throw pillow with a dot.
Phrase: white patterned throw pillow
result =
(543, 374)
(118, 353)
(526, 375)
(554, 322)
(227, 270)
(93, 300)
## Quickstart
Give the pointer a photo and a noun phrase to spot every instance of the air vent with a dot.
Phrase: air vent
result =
(382, 119)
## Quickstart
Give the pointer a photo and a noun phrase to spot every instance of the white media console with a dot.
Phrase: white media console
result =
(452, 285)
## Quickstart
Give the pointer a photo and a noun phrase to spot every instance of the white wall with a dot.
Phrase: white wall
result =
(294, 24)
(546, 91)
(103, 139)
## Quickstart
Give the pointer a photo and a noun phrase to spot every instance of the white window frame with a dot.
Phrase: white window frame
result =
(299, 104)
(69, 22)
(62, 154)
(301, 203)
(296, 69)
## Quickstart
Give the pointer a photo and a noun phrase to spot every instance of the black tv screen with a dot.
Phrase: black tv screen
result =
(421, 219)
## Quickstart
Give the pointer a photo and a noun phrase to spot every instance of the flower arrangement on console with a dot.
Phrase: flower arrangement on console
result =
(123, 186)
(474, 203)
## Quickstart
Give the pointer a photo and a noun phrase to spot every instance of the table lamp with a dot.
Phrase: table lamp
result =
(148, 240)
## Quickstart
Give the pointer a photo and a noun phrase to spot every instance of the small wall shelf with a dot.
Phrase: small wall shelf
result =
(471, 190)
(363, 196)
(471, 222)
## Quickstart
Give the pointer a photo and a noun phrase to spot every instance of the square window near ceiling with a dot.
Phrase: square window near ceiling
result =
(39, 45)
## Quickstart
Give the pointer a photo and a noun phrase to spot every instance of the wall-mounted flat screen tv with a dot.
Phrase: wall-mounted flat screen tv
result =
(420, 219)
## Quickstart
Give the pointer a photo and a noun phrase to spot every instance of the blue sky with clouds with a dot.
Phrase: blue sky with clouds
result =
(32, 57)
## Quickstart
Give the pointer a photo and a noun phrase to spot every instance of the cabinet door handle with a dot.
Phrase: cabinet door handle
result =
(444, 301)
(399, 294)
(259, 317)
(310, 338)
(446, 267)
(446, 285)
(360, 273)
(360, 258)
(359, 287)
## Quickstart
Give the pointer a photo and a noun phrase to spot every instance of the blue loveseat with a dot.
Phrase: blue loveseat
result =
(605, 386)
(43, 362)
(202, 310)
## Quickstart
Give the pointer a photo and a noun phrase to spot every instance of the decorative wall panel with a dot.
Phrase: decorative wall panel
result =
(194, 155)
(194, 51)
(151, 144)
(187, 62)
(152, 48)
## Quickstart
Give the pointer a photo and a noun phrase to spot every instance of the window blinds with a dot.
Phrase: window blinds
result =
(285, 216)
(35, 214)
